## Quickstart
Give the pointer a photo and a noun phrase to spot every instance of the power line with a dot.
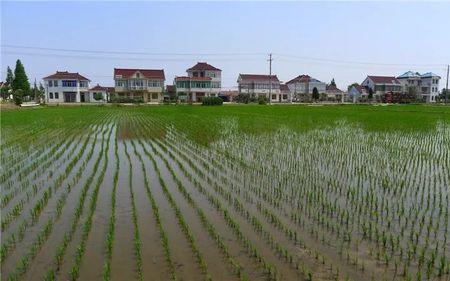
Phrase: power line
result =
(127, 52)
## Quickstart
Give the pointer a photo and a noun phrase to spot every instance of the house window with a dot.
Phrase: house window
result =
(56, 95)
(195, 74)
(274, 97)
(138, 75)
(50, 83)
(55, 83)
(83, 84)
(69, 83)
(120, 83)
(285, 97)
(51, 95)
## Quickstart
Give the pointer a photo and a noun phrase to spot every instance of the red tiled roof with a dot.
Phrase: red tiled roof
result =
(147, 73)
(201, 66)
(258, 77)
(284, 88)
(333, 88)
(301, 79)
(100, 88)
(360, 89)
(384, 79)
(170, 88)
(186, 78)
(66, 75)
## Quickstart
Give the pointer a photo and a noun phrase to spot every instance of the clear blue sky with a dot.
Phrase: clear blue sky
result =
(392, 37)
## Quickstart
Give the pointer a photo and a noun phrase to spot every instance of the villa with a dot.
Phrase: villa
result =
(64, 86)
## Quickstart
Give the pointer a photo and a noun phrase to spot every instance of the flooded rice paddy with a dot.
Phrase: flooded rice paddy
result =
(129, 196)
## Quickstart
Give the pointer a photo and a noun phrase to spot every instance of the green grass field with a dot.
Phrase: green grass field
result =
(225, 193)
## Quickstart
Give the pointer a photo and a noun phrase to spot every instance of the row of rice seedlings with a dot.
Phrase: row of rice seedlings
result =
(159, 223)
(75, 270)
(109, 241)
(181, 221)
(137, 240)
(68, 236)
(9, 243)
(284, 252)
(253, 220)
(384, 239)
(42, 153)
(237, 268)
(254, 253)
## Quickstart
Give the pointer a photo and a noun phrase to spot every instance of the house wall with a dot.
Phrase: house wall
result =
(60, 90)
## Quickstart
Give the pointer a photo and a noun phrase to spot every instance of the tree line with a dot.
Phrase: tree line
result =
(17, 87)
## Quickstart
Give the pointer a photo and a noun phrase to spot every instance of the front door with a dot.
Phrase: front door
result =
(69, 97)
(82, 97)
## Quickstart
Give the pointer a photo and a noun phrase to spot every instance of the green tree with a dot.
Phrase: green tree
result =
(352, 85)
(333, 83)
(20, 81)
(315, 94)
(370, 96)
(18, 96)
(9, 76)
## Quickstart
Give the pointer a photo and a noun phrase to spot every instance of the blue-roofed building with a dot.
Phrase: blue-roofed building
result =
(426, 84)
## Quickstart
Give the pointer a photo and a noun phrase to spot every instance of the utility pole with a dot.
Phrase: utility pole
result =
(446, 87)
(270, 78)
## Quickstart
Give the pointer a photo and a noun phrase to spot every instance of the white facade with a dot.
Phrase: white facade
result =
(258, 85)
(66, 89)
(427, 85)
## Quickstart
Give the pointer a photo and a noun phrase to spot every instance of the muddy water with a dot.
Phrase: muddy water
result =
(123, 262)
(94, 257)
(185, 263)
(216, 266)
(45, 257)
(154, 264)
(251, 268)
(31, 232)
(69, 259)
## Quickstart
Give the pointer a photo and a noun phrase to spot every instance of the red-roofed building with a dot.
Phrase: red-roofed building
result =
(260, 85)
(139, 84)
(302, 87)
(382, 85)
(334, 93)
(64, 86)
(100, 93)
(202, 80)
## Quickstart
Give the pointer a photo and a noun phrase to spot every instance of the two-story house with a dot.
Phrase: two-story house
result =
(64, 86)
(202, 80)
(257, 85)
(303, 85)
(382, 85)
(427, 85)
(143, 84)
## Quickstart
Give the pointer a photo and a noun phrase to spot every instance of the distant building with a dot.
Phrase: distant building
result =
(170, 93)
(144, 84)
(285, 95)
(357, 93)
(202, 80)
(382, 86)
(334, 93)
(100, 94)
(427, 85)
(228, 96)
(64, 86)
(257, 85)
(303, 85)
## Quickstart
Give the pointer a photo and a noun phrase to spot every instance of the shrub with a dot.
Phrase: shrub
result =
(98, 96)
(212, 101)
(262, 100)
(119, 99)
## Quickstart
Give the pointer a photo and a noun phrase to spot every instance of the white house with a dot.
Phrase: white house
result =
(426, 84)
(100, 94)
(64, 86)
(257, 85)
(202, 80)
(382, 85)
(304, 85)
(144, 84)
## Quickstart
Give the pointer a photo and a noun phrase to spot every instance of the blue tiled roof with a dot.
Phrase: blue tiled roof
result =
(429, 74)
(409, 74)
